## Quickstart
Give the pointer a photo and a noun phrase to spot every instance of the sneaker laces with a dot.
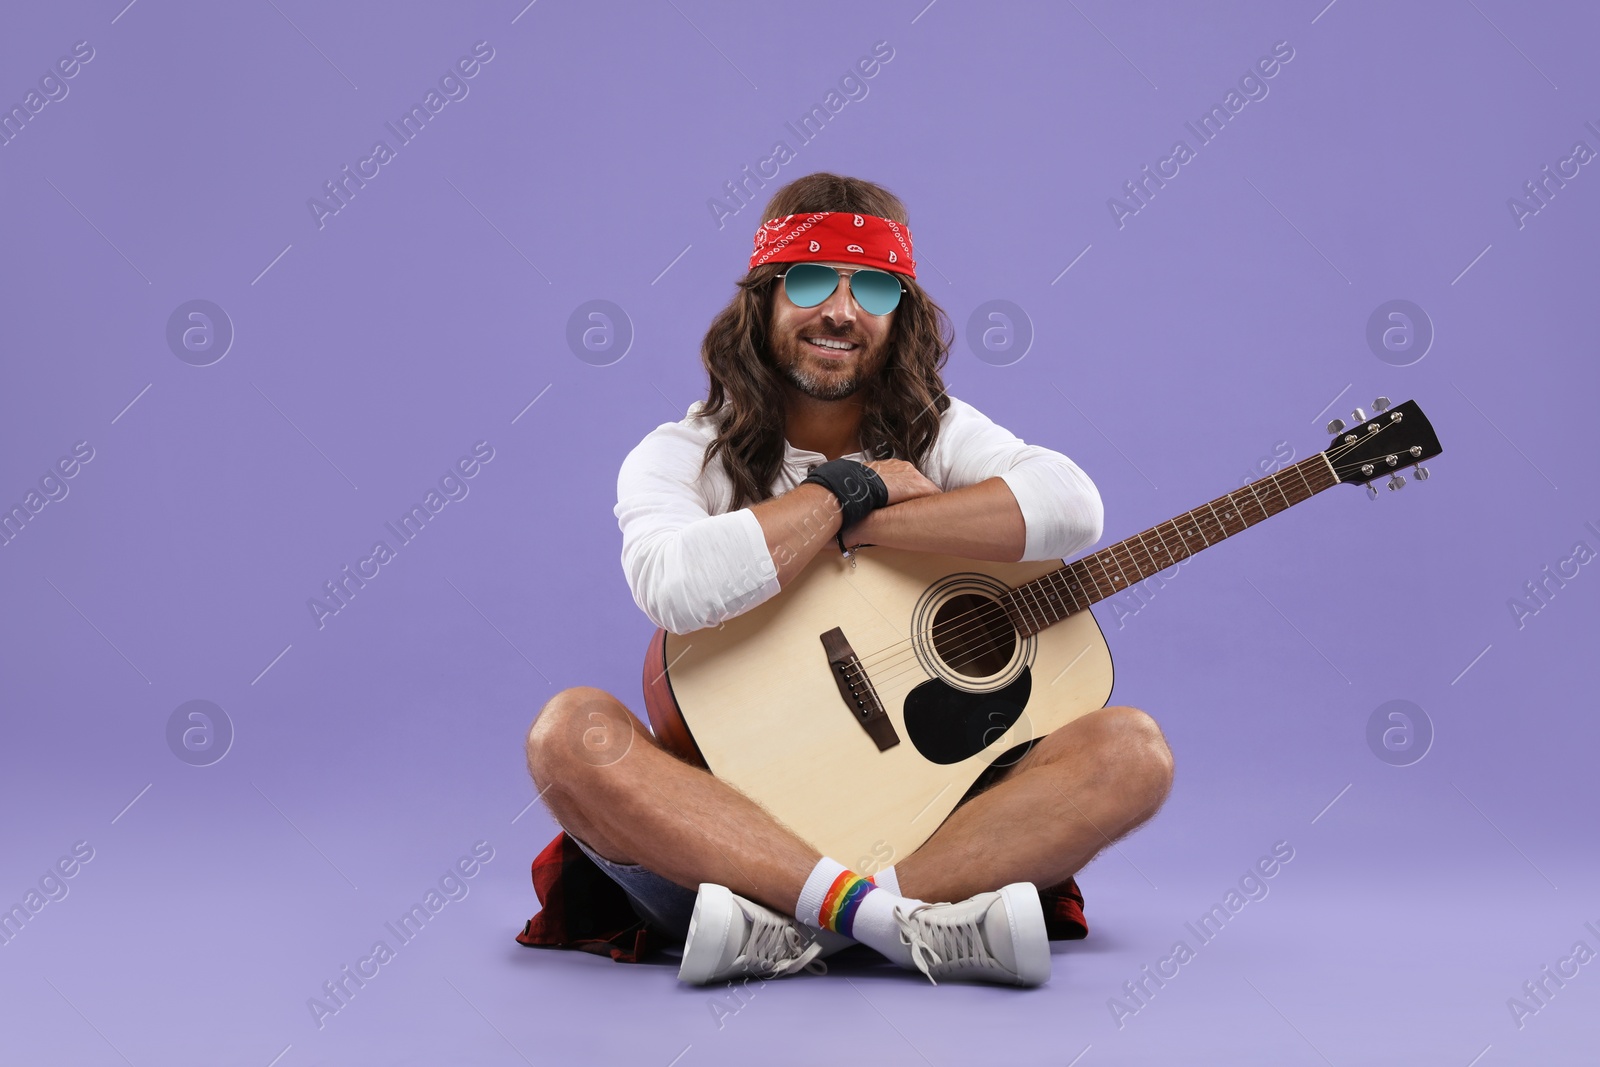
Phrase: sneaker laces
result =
(775, 947)
(944, 944)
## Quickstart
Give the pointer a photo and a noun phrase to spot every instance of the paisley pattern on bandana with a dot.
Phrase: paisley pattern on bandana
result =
(841, 236)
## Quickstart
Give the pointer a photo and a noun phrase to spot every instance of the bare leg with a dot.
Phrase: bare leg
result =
(1077, 790)
(607, 780)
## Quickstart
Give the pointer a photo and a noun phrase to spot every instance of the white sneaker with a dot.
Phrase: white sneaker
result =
(732, 937)
(991, 937)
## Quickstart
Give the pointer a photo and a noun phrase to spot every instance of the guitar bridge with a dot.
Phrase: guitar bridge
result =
(856, 689)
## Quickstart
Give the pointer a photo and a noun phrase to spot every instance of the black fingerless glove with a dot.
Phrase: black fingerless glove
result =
(857, 488)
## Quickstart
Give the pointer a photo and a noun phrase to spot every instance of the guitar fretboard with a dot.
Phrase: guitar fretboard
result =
(1050, 598)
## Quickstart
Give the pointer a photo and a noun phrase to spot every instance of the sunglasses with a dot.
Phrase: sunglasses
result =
(806, 285)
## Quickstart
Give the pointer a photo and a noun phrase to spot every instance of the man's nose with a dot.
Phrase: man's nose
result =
(840, 306)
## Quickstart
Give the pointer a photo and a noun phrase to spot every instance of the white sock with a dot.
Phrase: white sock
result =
(860, 909)
(887, 879)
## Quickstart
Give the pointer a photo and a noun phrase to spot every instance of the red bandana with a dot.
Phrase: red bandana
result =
(840, 236)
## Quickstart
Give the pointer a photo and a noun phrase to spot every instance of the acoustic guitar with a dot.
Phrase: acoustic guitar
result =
(907, 674)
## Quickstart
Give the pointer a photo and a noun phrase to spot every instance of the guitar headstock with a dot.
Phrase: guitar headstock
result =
(1392, 439)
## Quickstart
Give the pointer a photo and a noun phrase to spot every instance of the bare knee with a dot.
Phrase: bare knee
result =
(579, 732)
(1132, 743)
(577, 729)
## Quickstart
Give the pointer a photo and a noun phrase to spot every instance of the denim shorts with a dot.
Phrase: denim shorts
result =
(666, 905)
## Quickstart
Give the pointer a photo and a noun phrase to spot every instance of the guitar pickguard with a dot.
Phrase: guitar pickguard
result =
(947, 725)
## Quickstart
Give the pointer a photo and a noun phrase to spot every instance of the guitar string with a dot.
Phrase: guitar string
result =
(1204, 525)
(987, 627)
(988, 608)
(999, 632)
(972, 631)
(993, 630)
(970, 636)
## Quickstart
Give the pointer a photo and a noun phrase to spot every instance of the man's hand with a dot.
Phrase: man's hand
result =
(981, 521)
(905, 482)
(798, 523)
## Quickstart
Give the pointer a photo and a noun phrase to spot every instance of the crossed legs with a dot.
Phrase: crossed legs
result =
(1077, 790)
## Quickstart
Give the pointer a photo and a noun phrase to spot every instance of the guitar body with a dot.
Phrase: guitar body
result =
(757, 702)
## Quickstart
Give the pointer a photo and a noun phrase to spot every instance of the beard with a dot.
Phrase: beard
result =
(819, 377)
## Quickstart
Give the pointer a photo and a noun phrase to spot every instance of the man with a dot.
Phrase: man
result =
(824, 373)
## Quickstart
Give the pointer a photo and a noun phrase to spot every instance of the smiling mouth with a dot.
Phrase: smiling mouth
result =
(827, 351)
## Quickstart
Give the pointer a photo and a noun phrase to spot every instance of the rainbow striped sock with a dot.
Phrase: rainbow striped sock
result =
(840, 903)
(832, 897)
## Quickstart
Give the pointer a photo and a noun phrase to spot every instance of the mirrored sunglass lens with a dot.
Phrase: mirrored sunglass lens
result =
(876, 291)
(809, 284)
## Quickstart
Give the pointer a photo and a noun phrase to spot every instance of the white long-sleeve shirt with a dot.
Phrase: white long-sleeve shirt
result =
(692, 563)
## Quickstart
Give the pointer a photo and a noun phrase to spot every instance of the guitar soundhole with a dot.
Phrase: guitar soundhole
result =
(972, 635)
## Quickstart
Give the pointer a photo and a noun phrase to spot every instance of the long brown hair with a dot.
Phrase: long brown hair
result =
(901, 405)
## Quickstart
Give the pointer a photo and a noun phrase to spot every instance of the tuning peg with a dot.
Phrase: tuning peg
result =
(1422, 473)
(1396, 480)
(1358, 415)
(1380, 404)
(1336, 426)
(1372, 491)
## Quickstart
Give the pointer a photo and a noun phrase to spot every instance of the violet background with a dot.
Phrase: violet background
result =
(1229, 315)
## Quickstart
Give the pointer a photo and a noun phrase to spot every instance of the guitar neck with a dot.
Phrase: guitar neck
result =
(1050, 598)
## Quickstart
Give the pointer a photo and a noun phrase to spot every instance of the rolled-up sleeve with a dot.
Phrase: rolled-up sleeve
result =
(1061, 508)
(687, 569)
